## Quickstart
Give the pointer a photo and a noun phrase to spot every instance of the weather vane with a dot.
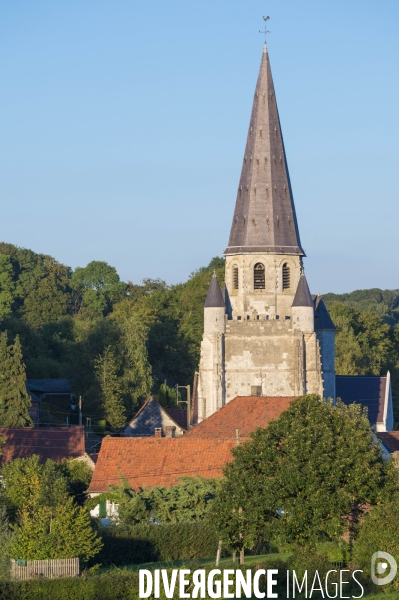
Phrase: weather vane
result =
(266, 31)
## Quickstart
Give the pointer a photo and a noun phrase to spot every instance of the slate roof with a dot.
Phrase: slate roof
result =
(368, 391)
(48, 386)
(178, 415)
(302, 295)
(149, 462)
(322, 319)
(56, 443)
(264, 218)
(150, 416)
(214, 298)
(245, 413)
(390, 439)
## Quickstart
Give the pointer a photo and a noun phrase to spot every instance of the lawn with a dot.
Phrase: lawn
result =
(225, 563)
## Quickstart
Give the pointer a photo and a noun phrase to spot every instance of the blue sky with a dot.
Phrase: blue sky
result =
(123, 124)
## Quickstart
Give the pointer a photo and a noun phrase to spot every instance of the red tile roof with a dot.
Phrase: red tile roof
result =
(149, 462)
(390, 439)
(56, 443)
(245, 413)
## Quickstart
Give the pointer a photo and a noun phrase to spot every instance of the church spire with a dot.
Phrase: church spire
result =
(264, 218)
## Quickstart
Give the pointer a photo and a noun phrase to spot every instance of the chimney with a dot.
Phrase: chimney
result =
(158, 432)
(170, 431)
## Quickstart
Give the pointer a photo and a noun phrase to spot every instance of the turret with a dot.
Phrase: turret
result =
(214, 309)
(303, 307)
(325, 331)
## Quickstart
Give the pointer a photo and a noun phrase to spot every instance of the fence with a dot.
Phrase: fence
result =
(30, 569)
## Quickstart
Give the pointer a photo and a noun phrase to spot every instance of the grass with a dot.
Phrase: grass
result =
(225, 563)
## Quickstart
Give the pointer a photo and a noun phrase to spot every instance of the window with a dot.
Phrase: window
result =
(256, 390)
(259, 276)
(235, 278)
(102, 513)
(286, 277)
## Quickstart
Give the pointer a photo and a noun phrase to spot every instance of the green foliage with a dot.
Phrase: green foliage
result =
(7, 286)
(137, 381)
(109, 586)
(78, 475)
(34, 286)
(188, 501)
(363, 344)
(63, 532)
(379, 532)
(147, 542)
(14, 399)
(47, 522)
(30, 484)
(167, 396)
(99, 286)
(304, 478)
(110, 388)
(5, 543)
(384, 303)
(66, 320)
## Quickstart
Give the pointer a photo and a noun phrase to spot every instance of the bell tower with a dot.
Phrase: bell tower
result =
(268, 345)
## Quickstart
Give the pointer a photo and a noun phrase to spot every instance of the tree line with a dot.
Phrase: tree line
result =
(119, 342)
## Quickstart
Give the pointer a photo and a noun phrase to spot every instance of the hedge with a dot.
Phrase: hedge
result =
(158, 543)
(124, 585)
(116, 585)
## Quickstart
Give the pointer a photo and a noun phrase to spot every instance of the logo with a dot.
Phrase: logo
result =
(383, 559)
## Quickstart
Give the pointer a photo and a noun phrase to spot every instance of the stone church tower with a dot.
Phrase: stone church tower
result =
(264, 335)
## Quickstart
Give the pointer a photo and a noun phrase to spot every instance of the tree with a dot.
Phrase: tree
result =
(379, 531)
(363, 344)
(31, 484)
(78, 474)
(65, 532)
(303, 478)
(7, 286)
(132, 349)
(111, 394)
(5, 543)
(188, 501)
(99, 286)
(14, 399)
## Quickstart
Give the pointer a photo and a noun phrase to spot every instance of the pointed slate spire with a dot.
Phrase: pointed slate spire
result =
(264, 218)
(303, 296)
(322, 319)
(214, 298)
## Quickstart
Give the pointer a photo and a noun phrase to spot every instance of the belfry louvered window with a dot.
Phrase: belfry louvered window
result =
(259, 276)
(286, 277)
(235, 278)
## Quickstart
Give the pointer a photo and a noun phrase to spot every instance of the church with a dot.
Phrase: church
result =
(264, 334)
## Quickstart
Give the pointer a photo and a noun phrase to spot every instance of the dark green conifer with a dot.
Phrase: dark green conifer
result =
(14, 399)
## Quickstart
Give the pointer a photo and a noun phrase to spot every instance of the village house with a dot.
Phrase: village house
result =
(56, 443)
(154, 420)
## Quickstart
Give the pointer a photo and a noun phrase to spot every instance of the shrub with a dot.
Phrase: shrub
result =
(379, 532)
(151, 543)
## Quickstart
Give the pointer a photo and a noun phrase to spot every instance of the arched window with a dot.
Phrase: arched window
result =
(286, 277)
(235, 278)
(259, 276)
